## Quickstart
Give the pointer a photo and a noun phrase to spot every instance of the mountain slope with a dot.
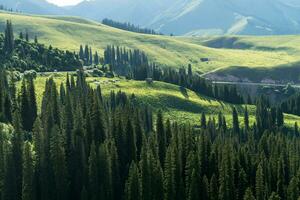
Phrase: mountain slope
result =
(259, 17)
(69, 33)
(33, 6)
(254, 17)
(184, 17)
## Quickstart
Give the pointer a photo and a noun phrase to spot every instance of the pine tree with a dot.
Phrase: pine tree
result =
(28, 174)
(194, 187)
(246, 119)
(132, 188)
(274, 196)
(249, 195)
(25, 107)
(21, 36)
(9, 38)
(94, 183)
(2, 159)
(27, 36)
(81, 53)
(32, 103)
(96, 58)
(160, 137)
(213, 187)
(259, 185)
(130, 143)
(91, 57)
(293, 189)
(58, 161)
(235, 121)
(280, 117)
(17, 153)
(169, 179)
(296, 129)
(203, 121)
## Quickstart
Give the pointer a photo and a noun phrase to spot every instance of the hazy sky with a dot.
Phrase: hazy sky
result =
(65, 2)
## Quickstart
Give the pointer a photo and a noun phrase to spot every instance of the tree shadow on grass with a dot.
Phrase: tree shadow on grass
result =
(184, 92)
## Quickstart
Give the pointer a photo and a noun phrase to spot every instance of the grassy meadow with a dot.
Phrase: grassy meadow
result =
(69, 32)
(180, 104)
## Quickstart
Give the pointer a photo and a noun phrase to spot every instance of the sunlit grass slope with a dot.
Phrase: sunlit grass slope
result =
(69, 32)
(178, 103)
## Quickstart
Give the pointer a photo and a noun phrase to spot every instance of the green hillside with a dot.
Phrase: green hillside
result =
(178, 103)
(69, 33)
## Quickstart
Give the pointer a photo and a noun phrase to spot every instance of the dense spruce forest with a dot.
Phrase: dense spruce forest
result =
(292, 105)
(129, 27)
(84, 146)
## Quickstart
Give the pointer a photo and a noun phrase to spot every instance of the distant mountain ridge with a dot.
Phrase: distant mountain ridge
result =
(184, 17)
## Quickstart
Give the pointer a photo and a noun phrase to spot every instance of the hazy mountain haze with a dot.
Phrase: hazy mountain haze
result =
(183, 17)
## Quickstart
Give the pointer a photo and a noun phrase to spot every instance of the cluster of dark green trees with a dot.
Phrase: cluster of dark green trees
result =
(21, 54)
(292, 105)
(135, 64)
(87, 56)
(129, 27)
(85, 146)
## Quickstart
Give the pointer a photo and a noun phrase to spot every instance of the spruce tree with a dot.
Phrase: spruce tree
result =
(32, 103)
(169, 179)
(8, 38)
(160, 137)
(132, 188)
(293, 189)
(203, 121)
(246, 119)
(235, 121)
(28, 174)
(58, 161)
(259, 185)
(25, 107)
(94, 183)
(274, 196)
(2, 159)
(249, 195)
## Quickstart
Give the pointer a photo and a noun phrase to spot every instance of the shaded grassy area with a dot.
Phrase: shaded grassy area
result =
(281, 74)
(69, 32)
(178, 103)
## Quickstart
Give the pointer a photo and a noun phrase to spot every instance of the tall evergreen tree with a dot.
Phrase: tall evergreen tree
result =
(94, 183)
(249, 195)
(132, 188)
(260, 186)
(160, 137)
(58, 162)
(9, 38)
(28, 174)
(235, 121)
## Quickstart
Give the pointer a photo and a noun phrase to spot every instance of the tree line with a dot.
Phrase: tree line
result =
(22, 54)
(85, 146)
(129, 27)
(136, 65)
(291, 105)
(4, 8)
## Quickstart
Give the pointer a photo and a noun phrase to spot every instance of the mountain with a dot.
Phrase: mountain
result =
(200, 17)
(33, 6)
(184, 17)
